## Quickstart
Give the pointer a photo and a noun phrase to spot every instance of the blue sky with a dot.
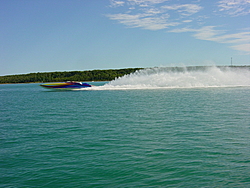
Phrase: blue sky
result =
(65, 35)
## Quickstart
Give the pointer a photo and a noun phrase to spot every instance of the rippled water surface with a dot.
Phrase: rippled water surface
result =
(186, 137)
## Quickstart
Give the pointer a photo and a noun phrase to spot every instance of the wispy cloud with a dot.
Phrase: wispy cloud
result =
(145, 14)
(141, 3)
(116, 3)
(242, 47)
(239, 41)
(235, 7)
(145, 21)
(187, 21)
(146, 2)
(164, 14)
(184, 9)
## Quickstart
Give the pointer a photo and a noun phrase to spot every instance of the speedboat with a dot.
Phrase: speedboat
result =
(69, 85)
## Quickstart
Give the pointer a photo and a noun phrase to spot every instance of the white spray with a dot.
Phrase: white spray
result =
(184, 77)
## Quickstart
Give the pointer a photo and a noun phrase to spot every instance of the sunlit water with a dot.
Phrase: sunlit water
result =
(150, 129)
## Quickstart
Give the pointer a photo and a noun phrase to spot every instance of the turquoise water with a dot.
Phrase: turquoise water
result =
(113, 137)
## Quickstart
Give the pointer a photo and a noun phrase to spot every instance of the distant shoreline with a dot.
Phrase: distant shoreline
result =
(90, 75)
(86, 76)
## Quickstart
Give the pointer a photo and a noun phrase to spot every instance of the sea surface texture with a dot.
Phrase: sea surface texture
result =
(153, 128)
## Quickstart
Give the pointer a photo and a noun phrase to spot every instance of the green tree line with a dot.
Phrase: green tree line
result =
(91, 75)
(95, 75)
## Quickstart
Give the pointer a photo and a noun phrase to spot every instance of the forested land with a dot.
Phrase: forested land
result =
(97, 75)
(91, 75)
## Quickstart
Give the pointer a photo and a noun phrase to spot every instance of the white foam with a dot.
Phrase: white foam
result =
(191, 77)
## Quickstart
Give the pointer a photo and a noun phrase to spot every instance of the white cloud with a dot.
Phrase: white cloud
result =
(185, 9)
(153, 11)
(187, 21)
(207, 33)
(162, 14)
(240, 41)
(145, 21)
(144, 3)
(147, 1)
(181, 30)
(145, 14)
(235, 7)
(242, 47)
(234, 38)
(116, 3)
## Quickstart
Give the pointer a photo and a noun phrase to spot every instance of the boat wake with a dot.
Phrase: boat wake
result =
(181, 77)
